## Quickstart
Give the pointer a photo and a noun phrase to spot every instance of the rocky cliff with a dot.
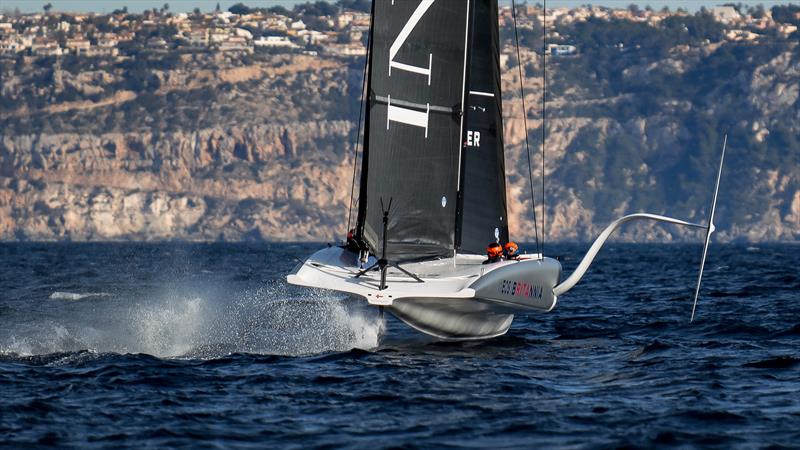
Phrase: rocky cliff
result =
(208, 146)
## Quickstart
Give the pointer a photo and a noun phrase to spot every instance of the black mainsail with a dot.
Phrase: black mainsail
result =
(418, 134)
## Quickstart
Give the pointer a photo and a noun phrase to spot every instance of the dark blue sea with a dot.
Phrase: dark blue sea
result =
(205, 346)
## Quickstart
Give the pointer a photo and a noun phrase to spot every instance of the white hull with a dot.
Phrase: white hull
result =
(459, 299)
(451, 319)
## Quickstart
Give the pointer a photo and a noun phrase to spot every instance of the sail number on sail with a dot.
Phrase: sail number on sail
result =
(398, 113)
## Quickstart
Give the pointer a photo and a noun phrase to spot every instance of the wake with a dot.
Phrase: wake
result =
(273, 320)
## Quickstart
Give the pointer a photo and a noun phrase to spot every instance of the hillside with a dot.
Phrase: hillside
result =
(207, 145)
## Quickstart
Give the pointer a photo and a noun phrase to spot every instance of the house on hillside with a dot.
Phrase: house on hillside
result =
(46, 47)
(275, 23)
(78, 46)
(741, 35)
(787, 29)
(10, 47)
(344, 19)
(563, 50)
(198, 37)
(313, 36)
(107, 40)
(346, 50)
(235, 43)
(217, 35)
(157, 43)
(726, 14)
(243, 33)
(274, 42)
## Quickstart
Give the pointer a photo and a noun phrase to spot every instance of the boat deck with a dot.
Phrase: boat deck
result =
(336, 268)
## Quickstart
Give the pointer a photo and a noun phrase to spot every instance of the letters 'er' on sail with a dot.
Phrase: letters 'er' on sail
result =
(414, 126)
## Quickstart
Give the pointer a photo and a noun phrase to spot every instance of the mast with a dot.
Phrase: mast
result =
(362, 185)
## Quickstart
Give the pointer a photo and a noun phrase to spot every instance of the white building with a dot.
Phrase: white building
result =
(563, 50)
(346, 50)
(10, 46)
(46, 47)
(313, 36)
(107, 40)
(198, 38)
(78, 46)
(241, 32)
(235, 43)
(274, 41)
(725, 14)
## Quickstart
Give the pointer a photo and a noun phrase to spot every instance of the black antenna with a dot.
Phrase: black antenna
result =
(384, 263)
(525, 122)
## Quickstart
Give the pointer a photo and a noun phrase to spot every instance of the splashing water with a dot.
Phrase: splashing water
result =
(58, 295)
(266, 320)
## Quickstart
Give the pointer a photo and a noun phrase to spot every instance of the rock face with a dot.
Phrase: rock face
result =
(260, 147)
(241, 183)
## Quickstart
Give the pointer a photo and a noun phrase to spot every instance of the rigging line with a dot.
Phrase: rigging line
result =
(544, 112)
(525, 123)
(358, 134)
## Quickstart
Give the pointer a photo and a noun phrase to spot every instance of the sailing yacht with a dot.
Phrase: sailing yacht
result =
(432, 188)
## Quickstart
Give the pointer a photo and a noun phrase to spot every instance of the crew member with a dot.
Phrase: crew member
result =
(494, 253)
(512, 251)
(352, 244)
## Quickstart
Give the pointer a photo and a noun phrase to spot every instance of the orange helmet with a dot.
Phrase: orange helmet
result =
(511, 249)
(494, 250)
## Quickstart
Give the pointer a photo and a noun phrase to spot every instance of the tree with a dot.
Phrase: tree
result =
(758, 12)
(217, 9)
(240, 9)
(356, 5)
(316, 9)
(280, 10)
(196, 11)
(786, 14)
(47, 8)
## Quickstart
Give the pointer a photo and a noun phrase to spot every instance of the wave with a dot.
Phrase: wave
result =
(58, 295)
(780, 362)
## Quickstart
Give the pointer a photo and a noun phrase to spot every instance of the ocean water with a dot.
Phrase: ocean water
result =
(205, 346)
